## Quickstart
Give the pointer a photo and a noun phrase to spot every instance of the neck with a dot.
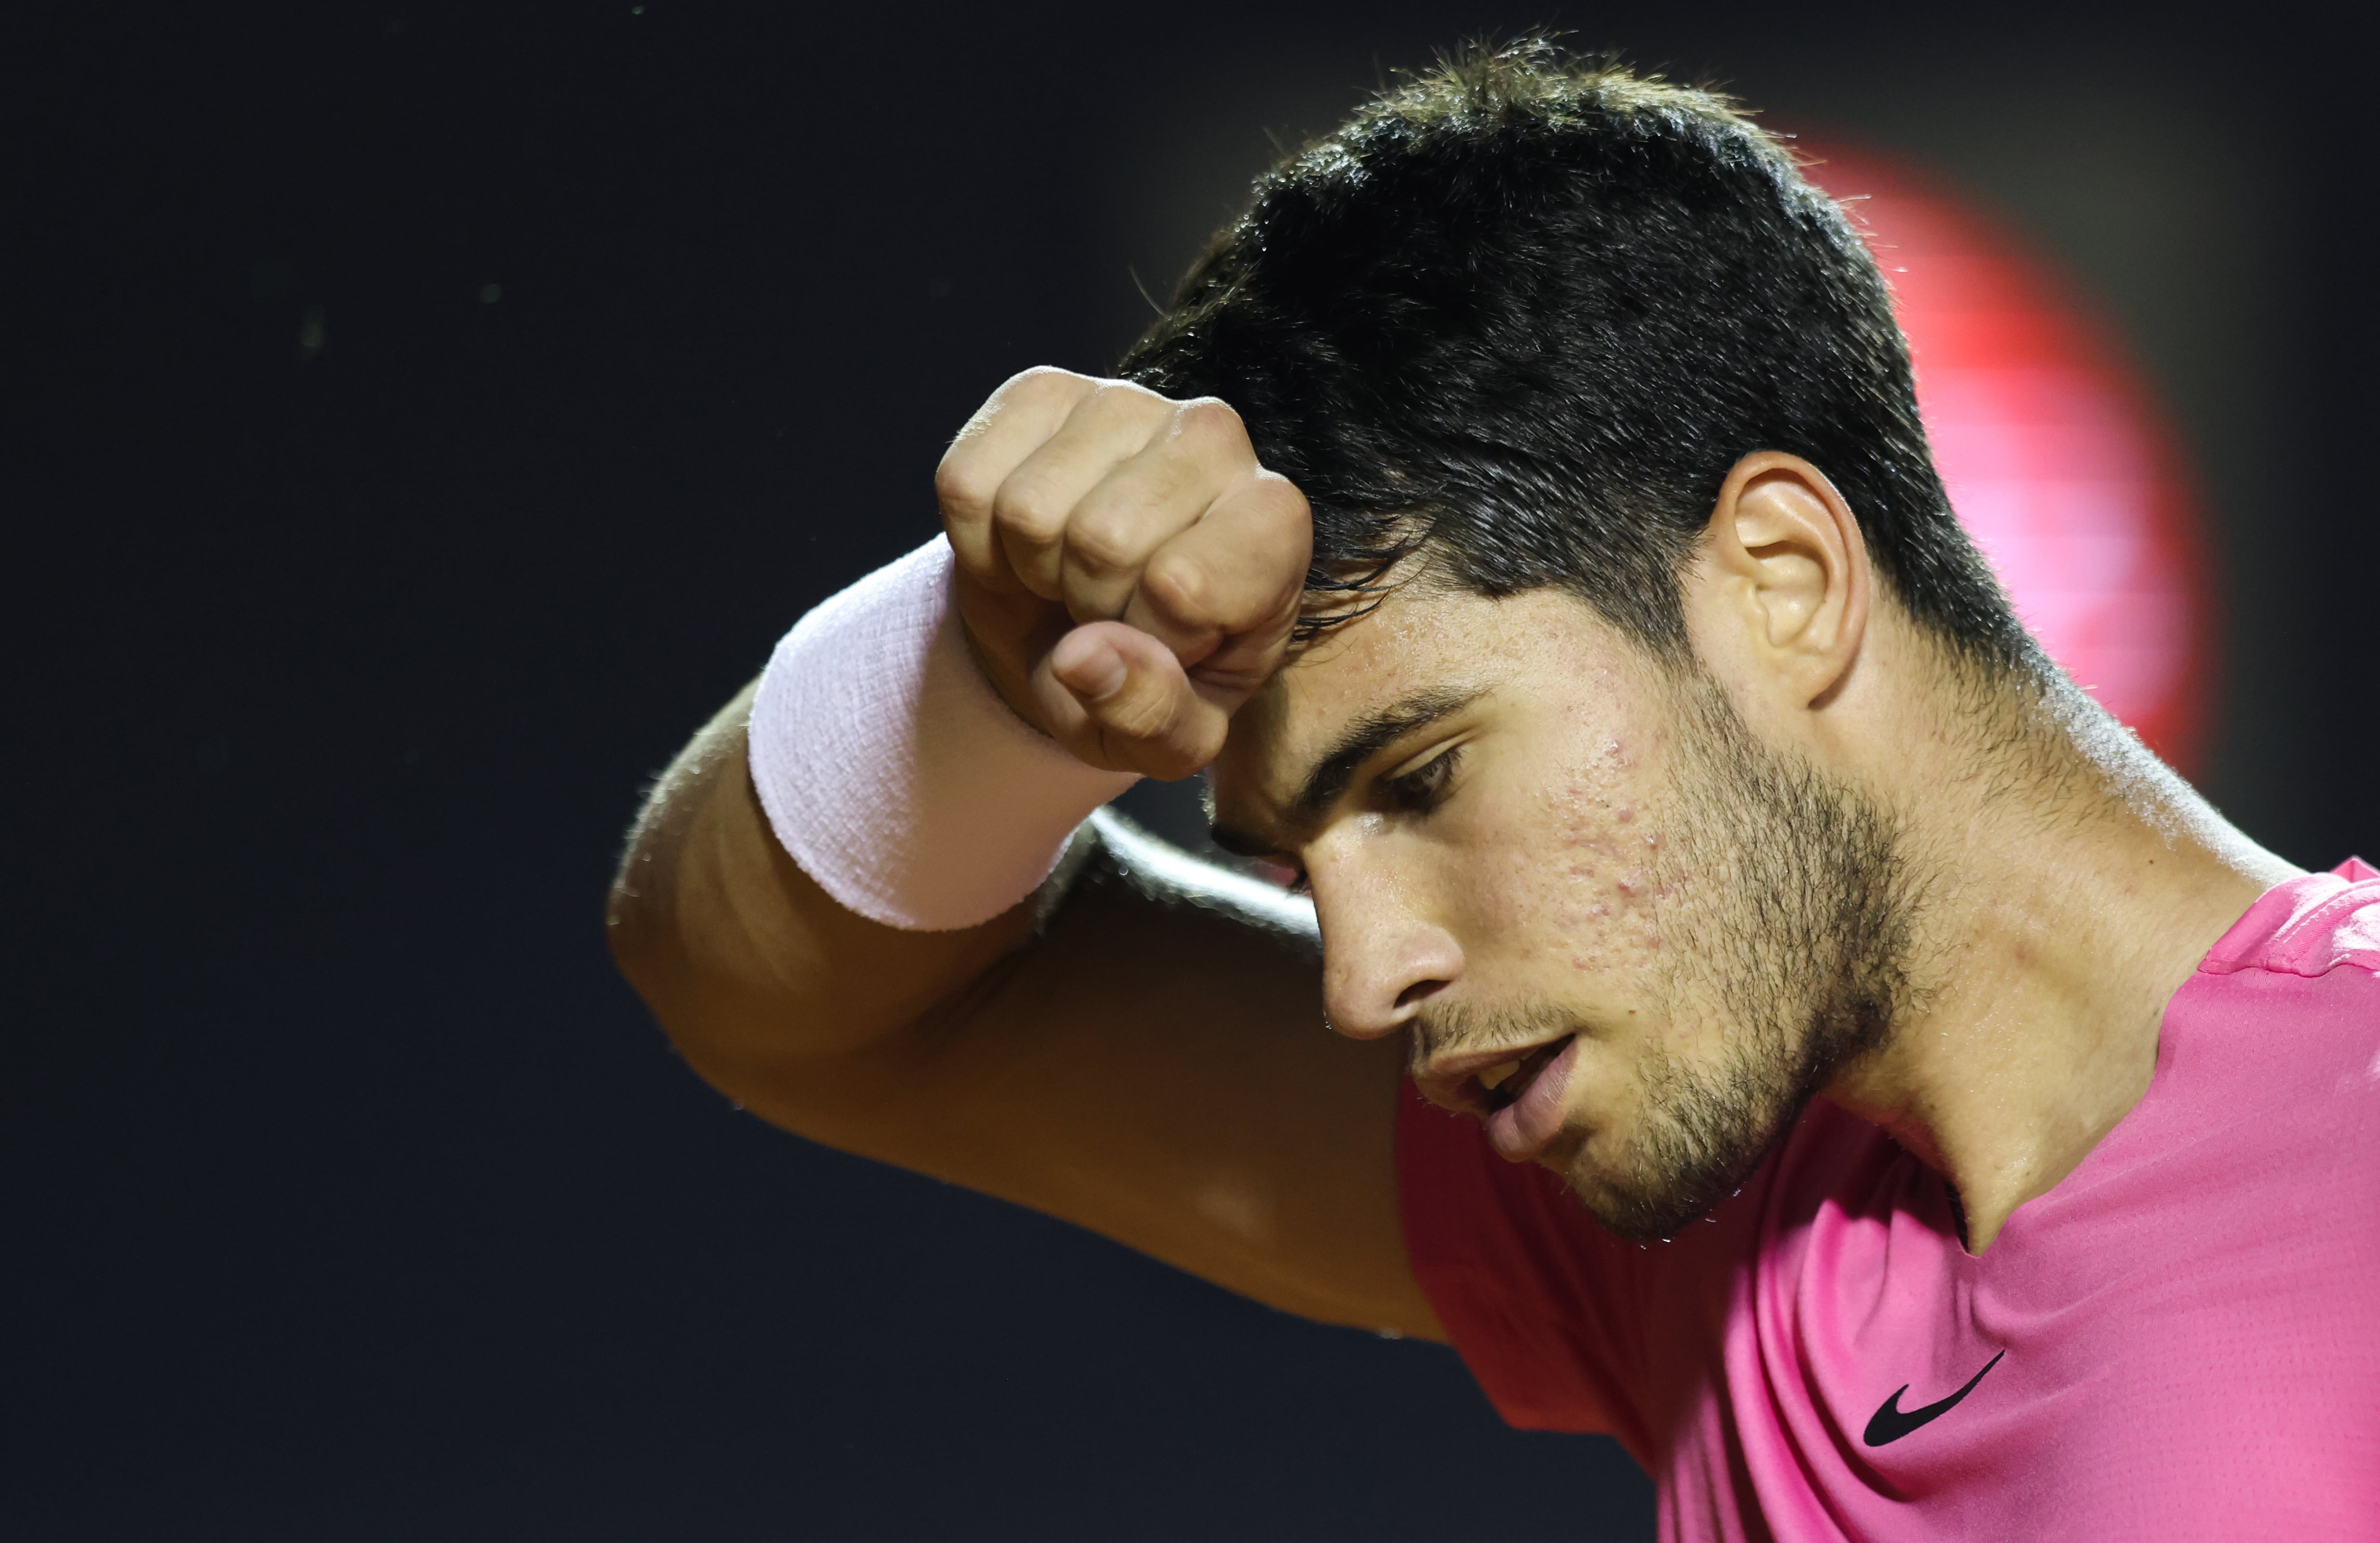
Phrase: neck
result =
(2067, 886)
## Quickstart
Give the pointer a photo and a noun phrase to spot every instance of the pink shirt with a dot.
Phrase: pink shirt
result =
(2181, 1340)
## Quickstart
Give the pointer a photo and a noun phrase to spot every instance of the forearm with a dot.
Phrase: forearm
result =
(839, 924)
(746, 962)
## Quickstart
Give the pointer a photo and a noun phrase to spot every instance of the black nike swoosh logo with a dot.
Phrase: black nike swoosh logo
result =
(1889, 1423)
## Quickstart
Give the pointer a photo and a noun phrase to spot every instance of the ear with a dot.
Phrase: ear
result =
(1779, 597)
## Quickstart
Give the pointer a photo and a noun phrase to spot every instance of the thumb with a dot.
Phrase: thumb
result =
(1118, 698)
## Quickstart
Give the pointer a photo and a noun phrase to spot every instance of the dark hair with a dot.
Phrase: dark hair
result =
(1524, 311)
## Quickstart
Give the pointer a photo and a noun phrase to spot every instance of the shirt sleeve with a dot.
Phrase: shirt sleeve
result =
(1543, 1305)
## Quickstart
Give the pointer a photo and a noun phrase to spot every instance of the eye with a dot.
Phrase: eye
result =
(1424, 788)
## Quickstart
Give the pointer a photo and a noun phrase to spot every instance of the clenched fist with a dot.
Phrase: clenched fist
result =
(1128, 572)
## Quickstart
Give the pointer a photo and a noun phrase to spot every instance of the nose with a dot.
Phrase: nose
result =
(1382, 957)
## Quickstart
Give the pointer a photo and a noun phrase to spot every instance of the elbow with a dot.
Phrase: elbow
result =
(638, 927)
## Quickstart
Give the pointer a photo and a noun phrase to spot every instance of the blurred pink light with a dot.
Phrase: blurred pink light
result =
(2055, 456)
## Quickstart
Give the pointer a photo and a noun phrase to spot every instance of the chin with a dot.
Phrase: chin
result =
(1656, 1209)
(1636, 1216)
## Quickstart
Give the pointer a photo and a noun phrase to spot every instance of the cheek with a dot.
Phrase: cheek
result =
(1580, 871)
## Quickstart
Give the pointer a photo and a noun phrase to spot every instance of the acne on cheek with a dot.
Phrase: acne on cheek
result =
(1591, 876)
(1601, 910)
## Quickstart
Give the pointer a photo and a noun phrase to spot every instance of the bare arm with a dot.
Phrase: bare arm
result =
(1139, 1048)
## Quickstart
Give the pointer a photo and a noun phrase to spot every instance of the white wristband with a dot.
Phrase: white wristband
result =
(893, 772)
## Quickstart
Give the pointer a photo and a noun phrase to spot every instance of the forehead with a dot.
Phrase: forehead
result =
(1540, 651)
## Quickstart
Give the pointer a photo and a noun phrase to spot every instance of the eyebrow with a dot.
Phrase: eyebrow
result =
(1358, 743)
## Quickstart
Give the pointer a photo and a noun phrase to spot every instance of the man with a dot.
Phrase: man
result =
(1525, 510)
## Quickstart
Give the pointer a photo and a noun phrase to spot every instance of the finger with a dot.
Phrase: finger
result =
(1223, 594)
(1118, 698)
(1031, 512)
(1146, 502)
(1013, 422)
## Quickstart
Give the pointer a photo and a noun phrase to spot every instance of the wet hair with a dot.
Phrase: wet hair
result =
(1523, 313)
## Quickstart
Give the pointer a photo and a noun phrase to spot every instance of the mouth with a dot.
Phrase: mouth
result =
(1518, 1096)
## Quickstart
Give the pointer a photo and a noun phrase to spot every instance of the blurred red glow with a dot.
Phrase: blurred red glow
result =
(2056, 456)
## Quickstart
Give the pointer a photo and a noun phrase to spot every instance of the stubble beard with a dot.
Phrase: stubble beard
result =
(1804, 962)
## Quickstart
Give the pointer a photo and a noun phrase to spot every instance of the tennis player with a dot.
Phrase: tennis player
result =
(1779, 1019)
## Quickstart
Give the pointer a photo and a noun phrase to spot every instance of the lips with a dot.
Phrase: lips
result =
(1532, 1115)
(1517, 1094)
(1506, 1083)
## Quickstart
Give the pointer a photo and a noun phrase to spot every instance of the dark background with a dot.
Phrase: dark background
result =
(425, 415)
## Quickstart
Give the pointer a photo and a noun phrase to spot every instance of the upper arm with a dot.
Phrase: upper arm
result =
(1151, 1062)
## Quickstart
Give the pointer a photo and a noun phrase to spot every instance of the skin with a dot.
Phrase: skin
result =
(1161, 1072)
(2071, 885)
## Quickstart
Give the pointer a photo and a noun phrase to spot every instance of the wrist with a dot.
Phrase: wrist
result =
(891, 770)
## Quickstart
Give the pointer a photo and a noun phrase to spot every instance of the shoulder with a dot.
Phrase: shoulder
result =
(2284, 1012)
(2308, 927)
(2270, 1059)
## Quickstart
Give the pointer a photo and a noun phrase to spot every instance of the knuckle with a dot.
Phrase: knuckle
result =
(959, 483)
(1210, 420)
(1040, 381)
(1287, 520)
(1179, 586)
(1023, 507)
(1102, 543)
(1138, 715)
(1128, 399)
(1281, 497)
